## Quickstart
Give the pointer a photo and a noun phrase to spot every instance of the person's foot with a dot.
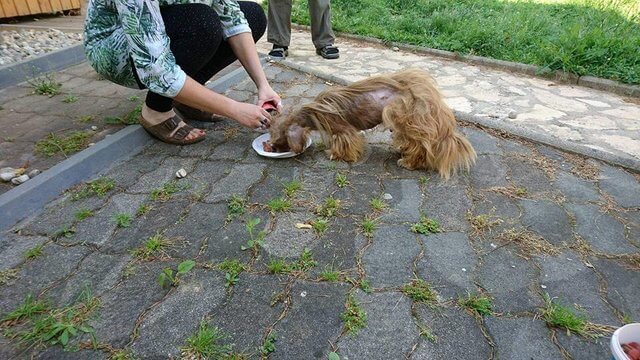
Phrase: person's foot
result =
(328, 52)
(279, 52)
(189, 113)
(169, 127)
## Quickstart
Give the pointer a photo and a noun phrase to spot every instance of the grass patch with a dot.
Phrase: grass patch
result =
(320, 226)
(131, 118)
(86, 118)
(278, 266)
(34, 252)
(37, 324)
(235, 207)
(341, 180)
(168, 277)
(45, 85)
(483, 222)
(68, 99)
(354, 317)
(559, 316)
(207, 343)
(143, 209)
(329, 208)
(166, 191)
(83, 214)
(133, 98)
(330, 275)
(476, 304)
(368, 226)
(152, 247)
(279, 205)
(365, 286)
(426, 226)
(53, 144)
(419, 291)
(423, 180)
(269, 345)
(292, 187)
(584, 37)
(377, 204)
(65, 232)
(123, 220)
(256, 239)
(99, 187)
(233, 268)
(305, 262)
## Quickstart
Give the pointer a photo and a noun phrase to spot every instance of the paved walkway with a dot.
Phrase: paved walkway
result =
(578, 117)
(528, 221)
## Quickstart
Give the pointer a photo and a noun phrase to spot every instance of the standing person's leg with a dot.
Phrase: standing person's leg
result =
(321, 30)
(279, 33)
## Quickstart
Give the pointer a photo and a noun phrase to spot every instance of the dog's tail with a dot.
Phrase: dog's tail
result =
(451, 154)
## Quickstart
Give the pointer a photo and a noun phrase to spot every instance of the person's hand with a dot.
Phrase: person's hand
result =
(252, 116)
(266, 94)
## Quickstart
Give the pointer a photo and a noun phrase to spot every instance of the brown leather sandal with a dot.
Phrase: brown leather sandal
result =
(163, 131)
(189, 113)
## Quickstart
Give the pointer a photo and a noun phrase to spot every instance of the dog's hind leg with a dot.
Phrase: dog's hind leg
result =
(346, 146)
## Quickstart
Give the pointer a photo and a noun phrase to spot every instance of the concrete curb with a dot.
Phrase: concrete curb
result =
(625, 161)
(16, 73)
(532, 70)
(29, 198)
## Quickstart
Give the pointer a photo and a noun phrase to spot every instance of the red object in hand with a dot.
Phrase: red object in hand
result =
(270, 106)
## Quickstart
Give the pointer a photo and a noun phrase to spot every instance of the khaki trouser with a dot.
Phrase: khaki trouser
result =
(279, 26)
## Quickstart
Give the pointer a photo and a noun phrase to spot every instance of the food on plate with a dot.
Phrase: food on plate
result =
(632, 350)
(266, 146)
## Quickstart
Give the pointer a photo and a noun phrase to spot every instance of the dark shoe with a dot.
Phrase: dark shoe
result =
(328, 52)
(164, 130)
(189, 113)
(279, 52)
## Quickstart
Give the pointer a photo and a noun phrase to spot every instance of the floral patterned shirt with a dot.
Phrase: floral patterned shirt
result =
(119, 32)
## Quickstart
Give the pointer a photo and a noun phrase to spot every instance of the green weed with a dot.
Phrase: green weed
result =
(377, 204)
(368, 226)
(83, 214)
(53, 144)
(235, 207)
(233, 268)
(354, 317)
(123, 220)
(477, 304)
(320, 226)
(153, 246)
(419, 291)
(68, 99)
(292, 187)
(256, 240)
(329, 208)
(278, 205)
(207, 343)
(426, 226)
(167, 276)
(45, 85)
(99, 187)
(34, 252)
(268, 346)
(341, 180)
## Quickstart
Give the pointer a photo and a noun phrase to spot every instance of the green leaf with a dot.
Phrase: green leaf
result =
(185, 266)
(64, 338)
(334, 356)
(162, 279)
(86, 329)
(72, 331)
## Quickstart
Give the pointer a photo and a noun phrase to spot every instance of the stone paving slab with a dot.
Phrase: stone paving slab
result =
(511, 239)
(582, 117)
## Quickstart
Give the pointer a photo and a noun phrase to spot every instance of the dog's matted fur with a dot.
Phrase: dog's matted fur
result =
(406, 102)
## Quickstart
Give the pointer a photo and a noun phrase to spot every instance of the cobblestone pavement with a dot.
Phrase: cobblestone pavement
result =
(528, 221)
(578, 115)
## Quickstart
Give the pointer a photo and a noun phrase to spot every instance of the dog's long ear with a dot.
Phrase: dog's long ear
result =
(297, 137)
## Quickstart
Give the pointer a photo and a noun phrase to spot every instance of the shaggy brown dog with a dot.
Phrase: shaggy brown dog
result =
(406, 102)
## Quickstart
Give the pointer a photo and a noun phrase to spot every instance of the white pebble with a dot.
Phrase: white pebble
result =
(303, 294)
(395, 48)
(387, 196)
(20, 179)
(181, 173)
(464, 270)
(94, 128)
(512, 115)
(494, 245)
(543, 286)
(33, 173)
(7, 176)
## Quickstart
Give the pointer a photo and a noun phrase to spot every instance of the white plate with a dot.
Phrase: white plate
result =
(257, 146)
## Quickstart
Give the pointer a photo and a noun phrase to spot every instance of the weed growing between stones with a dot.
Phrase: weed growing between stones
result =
(292, 187)
(256, 240)
(426, 226)
(235, 207)
(7, 275)
(377, 204)
(45, 85)
(368, 226)
(153, 247)
(123, 220)
(320, 226)
(562, 317)
(510, 191)
(341, 180)
(69, 98)
(83, 214)
(278, 205)
(269, 344)
(166, 191)
(365, 286)
(64, 232)
(86, 118)
(330, 275)
(53, 144)
(143, 209)
(122, 354)
(207, 343)
(483, 222)
(419, 291)
(277, 266)
(99, 187)
(232, 268)
(167, 276)
(34, 252)
(34, 323)
(426, 333)
(329, 208)
(354, 317)
(423, 180)
(477, 304)
(582, 167)
(304, 263)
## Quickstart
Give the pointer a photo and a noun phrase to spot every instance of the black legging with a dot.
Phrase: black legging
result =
(195, 32)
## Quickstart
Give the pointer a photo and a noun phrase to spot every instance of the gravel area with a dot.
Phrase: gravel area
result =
(23, 44)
